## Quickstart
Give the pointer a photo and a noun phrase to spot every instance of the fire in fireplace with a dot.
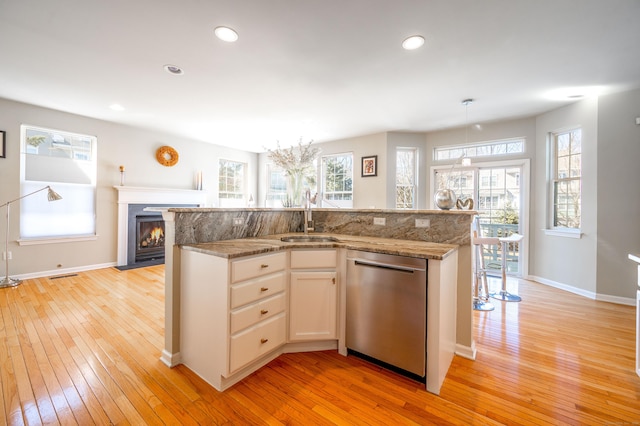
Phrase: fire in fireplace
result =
(149, 238)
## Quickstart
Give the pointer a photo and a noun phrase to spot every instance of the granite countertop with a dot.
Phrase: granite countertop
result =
(271, 243)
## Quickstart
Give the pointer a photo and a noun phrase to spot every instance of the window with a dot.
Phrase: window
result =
(67, 162)
(566, 178)
(276, 186)
(231, 182)
(406, 178)
(481, 149)
(337, 180)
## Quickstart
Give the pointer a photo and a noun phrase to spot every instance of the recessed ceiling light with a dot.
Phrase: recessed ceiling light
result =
(116, 107)
(413, 42)
(573, 93)
(226, 34)
(173, 69)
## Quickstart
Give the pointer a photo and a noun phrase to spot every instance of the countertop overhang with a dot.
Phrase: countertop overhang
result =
(272, 243)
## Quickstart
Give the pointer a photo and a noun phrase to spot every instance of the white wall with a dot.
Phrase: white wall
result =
(618, 195)
(564, 261)
(117, 145)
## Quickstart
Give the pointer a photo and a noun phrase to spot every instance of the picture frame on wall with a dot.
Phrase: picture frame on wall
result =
(3, 144)
(370, 166)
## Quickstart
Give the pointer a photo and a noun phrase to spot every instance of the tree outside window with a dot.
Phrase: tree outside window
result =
(231, 181)
(337, 180)
(406, 178)
(567, 179)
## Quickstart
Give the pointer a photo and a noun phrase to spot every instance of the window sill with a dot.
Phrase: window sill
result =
(56, 240)
(566, 233)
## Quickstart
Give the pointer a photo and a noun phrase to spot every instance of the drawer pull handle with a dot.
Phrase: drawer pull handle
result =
(264, 312)
(333, 280)
(263, 340)
(264, 289)
(264, 265)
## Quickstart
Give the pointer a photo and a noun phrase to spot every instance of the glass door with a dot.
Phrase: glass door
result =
(498, 198)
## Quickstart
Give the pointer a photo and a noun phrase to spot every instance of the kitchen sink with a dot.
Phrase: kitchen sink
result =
(308, 239)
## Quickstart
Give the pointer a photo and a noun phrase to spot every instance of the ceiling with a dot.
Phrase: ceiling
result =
(313, 69)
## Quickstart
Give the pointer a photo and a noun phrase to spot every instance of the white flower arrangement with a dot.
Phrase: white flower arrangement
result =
(295, 160)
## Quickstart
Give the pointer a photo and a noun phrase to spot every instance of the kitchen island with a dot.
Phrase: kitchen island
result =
(205, 229)
(224, 281)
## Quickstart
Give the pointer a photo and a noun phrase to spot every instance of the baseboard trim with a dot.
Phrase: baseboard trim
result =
(61, 271)
(581, 292)
(169, 359)
(468, 352)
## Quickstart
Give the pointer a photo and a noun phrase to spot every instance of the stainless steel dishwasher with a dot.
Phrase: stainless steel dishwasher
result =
(387, 310)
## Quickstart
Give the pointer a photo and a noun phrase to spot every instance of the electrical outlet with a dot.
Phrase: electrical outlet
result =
(5, 255)
(379, 221)
(238, 221)
(423, 223)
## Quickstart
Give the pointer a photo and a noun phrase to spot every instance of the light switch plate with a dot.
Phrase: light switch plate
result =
(423, 223)
(379, 221)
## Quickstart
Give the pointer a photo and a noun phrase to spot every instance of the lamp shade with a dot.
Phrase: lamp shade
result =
(53, 195)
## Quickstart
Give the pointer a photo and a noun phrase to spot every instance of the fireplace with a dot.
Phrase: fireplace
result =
(132, 202)
(145, 238)
(149, 238)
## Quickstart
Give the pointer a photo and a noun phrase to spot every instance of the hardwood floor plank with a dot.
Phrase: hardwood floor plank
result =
(85, 350)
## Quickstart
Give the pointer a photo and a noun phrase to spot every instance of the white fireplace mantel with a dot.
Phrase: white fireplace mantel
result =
(158, 196)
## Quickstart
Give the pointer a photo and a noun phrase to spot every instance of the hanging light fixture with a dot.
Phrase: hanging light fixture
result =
(466, 161)
(445, 198)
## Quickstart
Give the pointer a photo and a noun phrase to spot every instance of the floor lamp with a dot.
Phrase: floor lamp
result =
(12, 282)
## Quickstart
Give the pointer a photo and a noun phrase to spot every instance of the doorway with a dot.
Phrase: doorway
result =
(500, 197)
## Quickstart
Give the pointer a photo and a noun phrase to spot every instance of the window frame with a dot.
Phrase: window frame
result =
(480, 150)
(239, 196)
(413, 185)
(275, 196)
(68, 188)
(343, 202)
(554, 181)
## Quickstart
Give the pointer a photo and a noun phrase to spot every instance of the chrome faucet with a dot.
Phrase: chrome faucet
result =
(308, 221)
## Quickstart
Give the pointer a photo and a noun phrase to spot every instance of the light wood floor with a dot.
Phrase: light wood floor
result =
(85, 350)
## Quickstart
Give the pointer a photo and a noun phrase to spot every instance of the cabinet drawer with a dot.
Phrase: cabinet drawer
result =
(245, 269)
(313, 259)
(252, 314)
(256, 289)
(250, 344)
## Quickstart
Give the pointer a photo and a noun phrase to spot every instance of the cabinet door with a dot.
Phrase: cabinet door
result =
(313, 306)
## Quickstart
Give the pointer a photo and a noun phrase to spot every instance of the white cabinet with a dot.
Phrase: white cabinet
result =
(233, 314)
(313, 295)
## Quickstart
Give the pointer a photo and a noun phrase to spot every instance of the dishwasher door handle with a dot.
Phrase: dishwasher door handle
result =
(386, 266)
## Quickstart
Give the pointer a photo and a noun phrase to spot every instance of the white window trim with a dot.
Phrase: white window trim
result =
(55, 240)
(414, 185)
(337, 203)
(467, 146)
(25, 241)
(550, 229)
(245, 174)
(564, 232)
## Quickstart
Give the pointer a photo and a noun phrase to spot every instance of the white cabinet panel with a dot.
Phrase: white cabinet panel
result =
(313, 306)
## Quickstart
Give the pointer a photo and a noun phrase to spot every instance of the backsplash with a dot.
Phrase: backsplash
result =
(202, 225)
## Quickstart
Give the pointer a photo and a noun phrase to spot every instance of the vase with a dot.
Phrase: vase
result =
(295, 186)
(445, 199)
